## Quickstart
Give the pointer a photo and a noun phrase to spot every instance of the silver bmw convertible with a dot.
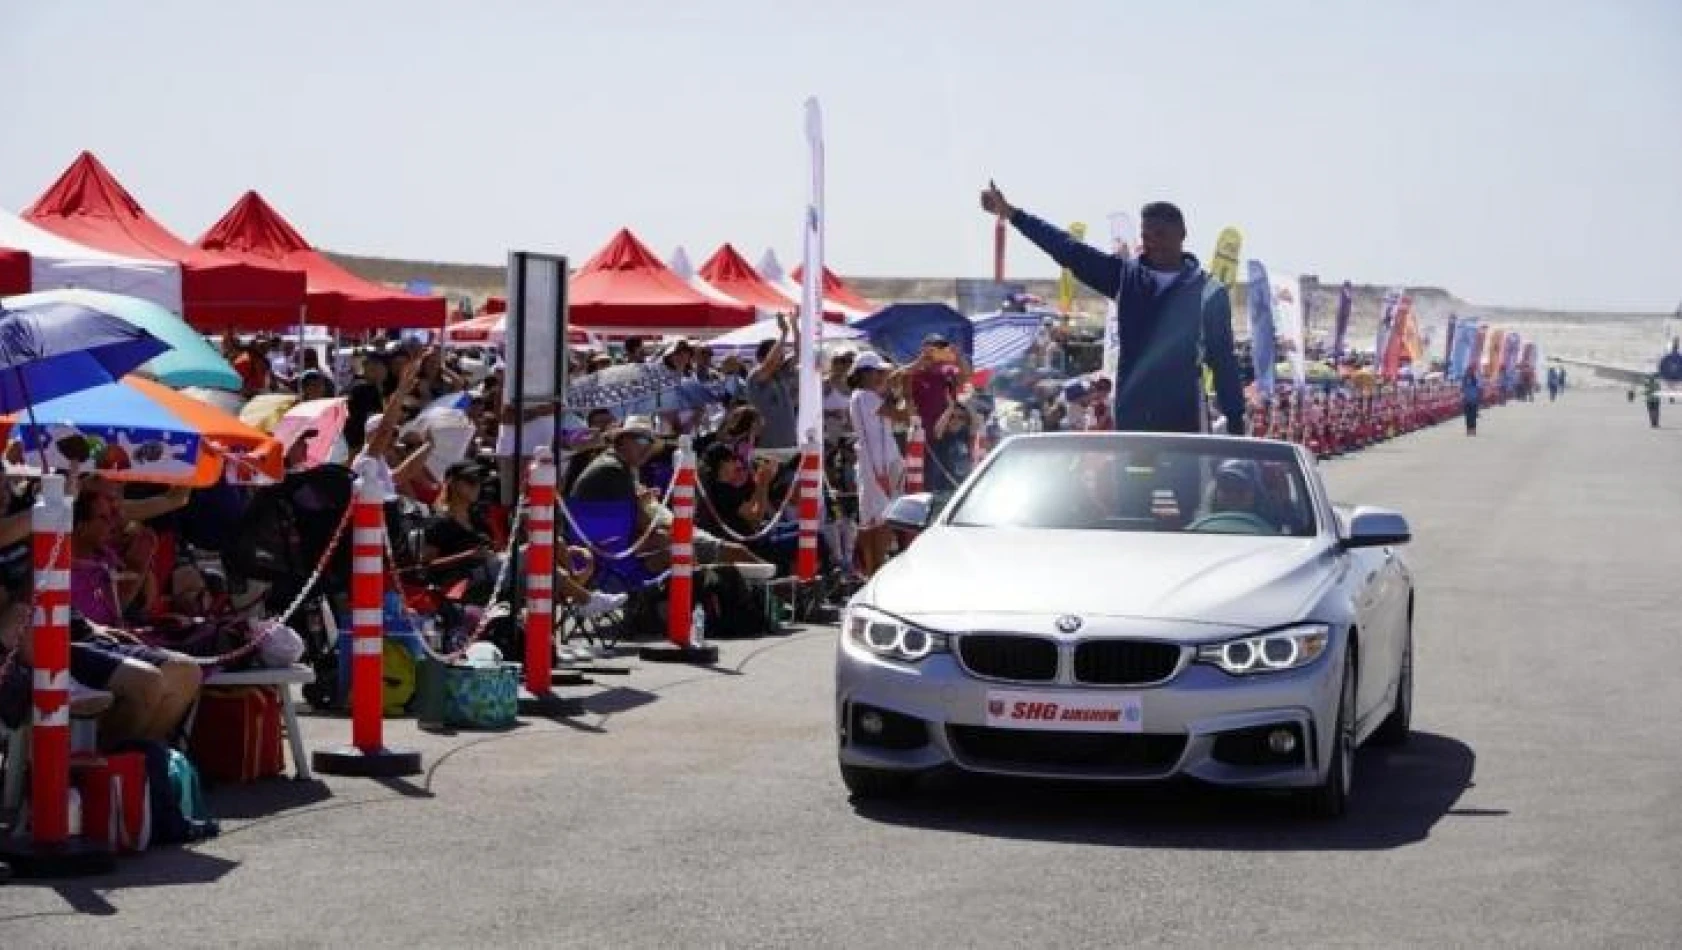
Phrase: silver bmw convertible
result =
(1118, 606)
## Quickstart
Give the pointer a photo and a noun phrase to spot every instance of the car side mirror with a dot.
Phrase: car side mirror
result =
(910, 512)
(1376, 528)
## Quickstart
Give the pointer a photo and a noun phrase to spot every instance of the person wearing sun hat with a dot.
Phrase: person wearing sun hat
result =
(880, 469)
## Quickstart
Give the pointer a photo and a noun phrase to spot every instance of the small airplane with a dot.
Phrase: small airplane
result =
(1668, 370)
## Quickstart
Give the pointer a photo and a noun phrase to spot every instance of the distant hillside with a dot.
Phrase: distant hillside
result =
(1627, 337)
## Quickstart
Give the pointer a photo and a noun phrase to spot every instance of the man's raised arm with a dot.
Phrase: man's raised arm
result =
(1092, 267)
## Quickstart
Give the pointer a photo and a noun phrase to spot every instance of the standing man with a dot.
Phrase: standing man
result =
(1651, 388)
(1471, 397)
(773, 389)
(1171, 316)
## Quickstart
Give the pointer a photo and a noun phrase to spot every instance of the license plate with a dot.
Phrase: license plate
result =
(1066, 712)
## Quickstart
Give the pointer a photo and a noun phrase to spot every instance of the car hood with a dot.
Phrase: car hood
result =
(1228, 580)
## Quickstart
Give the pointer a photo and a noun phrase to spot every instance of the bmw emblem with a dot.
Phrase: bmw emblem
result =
(1068, 623)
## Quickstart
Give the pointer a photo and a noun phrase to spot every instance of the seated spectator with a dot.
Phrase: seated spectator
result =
(314, 384)
(460, 535)
(612, 476)
(152, 688)
(737, 504)
(107, 583)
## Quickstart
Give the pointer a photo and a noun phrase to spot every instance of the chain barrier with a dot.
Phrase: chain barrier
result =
(488, 613)
(285, 618)
(781, 509)
(601, 552)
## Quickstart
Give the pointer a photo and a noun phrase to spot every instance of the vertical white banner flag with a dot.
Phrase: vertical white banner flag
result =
(810, 414)
(1121, 238)
(1287, 321)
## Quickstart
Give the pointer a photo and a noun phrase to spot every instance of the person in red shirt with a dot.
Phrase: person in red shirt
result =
(934, 377)
(252, 365)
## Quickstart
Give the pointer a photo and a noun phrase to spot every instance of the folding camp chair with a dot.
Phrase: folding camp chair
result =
(607, 529)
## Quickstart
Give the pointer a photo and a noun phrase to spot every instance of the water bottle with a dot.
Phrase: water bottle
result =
(698, 627)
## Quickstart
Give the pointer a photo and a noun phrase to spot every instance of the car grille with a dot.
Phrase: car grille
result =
(1124, 662)
(1074, 752)
(1000, 656)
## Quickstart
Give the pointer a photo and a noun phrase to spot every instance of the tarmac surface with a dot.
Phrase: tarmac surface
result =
(1538, 805)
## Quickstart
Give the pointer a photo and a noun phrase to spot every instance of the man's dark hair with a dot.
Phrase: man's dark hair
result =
(1164, 212)
(633, 343)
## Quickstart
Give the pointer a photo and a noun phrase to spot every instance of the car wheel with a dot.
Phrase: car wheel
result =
(1396, 727)
(876, 784)
(1330, 799)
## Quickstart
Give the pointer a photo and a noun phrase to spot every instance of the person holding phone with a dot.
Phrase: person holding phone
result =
(934, 377)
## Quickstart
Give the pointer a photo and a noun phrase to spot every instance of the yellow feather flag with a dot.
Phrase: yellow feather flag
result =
(1223, 266)
(1066, 280)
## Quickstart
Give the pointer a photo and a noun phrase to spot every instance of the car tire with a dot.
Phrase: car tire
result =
(1397, 726)
(1330, 799)
(868, 784)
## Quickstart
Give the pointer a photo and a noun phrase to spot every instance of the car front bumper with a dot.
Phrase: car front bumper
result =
(1202, 723)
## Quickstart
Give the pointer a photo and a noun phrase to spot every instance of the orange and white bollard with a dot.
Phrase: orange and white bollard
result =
(540, 574)
(367, 754)
(51, 851)
(686, 644)
(538, 698)
(811, 509)
(916, 452)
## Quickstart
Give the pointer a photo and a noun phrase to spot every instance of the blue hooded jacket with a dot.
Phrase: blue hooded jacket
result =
(1164, 335)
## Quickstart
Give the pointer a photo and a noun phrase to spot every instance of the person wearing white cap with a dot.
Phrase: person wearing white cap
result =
(880, 469)
(379, 432)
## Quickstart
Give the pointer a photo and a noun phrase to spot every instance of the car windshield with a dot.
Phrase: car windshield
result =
(1141, 483)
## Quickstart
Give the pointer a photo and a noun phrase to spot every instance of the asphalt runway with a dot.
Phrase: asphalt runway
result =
(1539, 804)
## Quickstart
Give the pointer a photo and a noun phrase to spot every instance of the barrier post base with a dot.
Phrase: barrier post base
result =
(74, 857)
(356, 763)
(548, 705)
(672, 653)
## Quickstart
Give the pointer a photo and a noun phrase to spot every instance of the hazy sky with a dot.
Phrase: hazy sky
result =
(1511, 152)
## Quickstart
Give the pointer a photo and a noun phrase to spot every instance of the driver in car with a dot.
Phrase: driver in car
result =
(1237, 490)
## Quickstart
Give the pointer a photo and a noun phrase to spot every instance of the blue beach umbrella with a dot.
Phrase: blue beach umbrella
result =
(50, 350)
(190, 360)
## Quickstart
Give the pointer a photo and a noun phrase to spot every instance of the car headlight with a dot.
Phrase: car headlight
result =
(1270, 652)
(888, 636)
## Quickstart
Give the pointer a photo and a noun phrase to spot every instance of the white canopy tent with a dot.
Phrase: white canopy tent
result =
(685, 268)
(57, 263)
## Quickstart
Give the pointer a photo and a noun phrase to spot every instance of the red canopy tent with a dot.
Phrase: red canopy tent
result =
(626, 288)
(835, 291)
(14, 272)
(252, 231)
(730, 272)
(91, 207)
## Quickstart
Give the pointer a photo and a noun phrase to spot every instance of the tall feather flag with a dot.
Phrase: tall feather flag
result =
(810, 407)
(1509, 356)
(1465, 333)
(1066, 279)
(1288, 318)
(1396, 341)
(1413, 339)
(1345, 303)
(1261, 327)
(1223, 264)
(1480, 342)
(1497, 345)
(1386, 320)
(1448, 345)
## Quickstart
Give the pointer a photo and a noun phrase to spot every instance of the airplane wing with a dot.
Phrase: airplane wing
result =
(1623, 374)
